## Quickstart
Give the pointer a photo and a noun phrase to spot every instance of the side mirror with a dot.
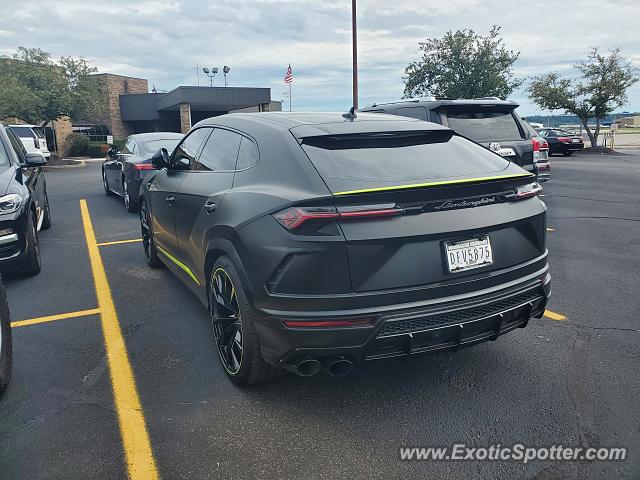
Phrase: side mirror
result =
(34, 159)
(160, 160)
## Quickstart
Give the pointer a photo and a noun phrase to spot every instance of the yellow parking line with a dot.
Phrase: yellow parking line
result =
(554, 315)
(551, 229)
(53, 318)
(118, 242)
(141, 463)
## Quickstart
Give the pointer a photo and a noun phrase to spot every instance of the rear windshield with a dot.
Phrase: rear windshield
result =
(23, 132)
(485, 126)
(152, 146)
(399, 157)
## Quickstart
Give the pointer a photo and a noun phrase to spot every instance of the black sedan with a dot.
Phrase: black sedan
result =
(124, 169)
(24, 205)
(324, 241)
(562, 141)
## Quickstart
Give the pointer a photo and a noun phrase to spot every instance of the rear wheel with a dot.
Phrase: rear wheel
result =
(232, 319)
(31, 264)
(105, 183)
(150, 250)
(129, 203)
(46, 222)
(5, 340)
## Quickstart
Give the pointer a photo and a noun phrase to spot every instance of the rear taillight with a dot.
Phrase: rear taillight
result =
(540, 150)
(144, 166)
(564, 139)
(294, 217)
(527, 191)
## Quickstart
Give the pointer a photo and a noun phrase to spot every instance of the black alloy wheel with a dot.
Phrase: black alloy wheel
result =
(226, 321)
(150, 250)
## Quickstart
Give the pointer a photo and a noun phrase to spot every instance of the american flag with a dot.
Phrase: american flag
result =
(288, 78)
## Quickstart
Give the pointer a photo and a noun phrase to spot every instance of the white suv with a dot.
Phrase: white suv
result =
(32, 138)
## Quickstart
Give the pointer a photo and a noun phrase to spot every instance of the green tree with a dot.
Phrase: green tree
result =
(463, 64)
(38, 89)
(602, 88)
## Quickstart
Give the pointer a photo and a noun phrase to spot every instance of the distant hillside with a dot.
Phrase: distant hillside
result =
(556, 120)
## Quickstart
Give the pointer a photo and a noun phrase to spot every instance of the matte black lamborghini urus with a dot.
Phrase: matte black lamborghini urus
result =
(320, 241)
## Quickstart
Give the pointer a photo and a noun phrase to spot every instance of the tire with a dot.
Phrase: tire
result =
(46, 222)
(250, 368)
(5, 340)
(105, 183)
(30, 265)
(129, 203)
(567, 154)
(148, 243)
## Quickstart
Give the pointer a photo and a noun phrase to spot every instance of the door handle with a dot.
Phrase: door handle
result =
(210, 207)
(170, 200)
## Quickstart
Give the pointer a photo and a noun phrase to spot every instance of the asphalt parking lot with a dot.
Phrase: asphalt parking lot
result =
(570, 378)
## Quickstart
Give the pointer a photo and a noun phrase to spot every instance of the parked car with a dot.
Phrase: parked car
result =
(5, 339)
(32, 137)
(124, 169)
(491, 122)
(562, 141)
(319, 241)
(24, 205)
(540, 153)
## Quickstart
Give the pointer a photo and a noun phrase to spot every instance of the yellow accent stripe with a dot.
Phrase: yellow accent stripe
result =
(141, 464)
(434, 184)
(178, 263)
(554, 315)
(53, 318)
(118, 242)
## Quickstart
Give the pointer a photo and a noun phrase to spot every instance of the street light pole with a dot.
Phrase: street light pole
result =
(354, 33)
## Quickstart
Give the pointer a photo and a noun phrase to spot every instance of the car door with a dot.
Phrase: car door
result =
(33, 176)
(201, 194)
(117, 167)
(163, 188)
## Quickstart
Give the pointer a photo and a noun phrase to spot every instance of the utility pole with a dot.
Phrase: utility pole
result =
(354, 33)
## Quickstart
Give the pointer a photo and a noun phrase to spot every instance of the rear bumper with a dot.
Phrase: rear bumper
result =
(402, 330)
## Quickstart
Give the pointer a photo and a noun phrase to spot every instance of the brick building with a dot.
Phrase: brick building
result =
(129, 107)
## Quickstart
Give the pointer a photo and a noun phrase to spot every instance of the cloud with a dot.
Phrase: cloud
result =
(165, 41)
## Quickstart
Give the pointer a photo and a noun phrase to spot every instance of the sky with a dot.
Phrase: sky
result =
(165, 41)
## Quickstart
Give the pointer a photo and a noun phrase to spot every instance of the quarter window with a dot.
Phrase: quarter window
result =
(248, 154)
(220, 152)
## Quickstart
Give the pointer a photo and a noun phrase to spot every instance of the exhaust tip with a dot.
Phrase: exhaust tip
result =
(308, 367)
(339, 367)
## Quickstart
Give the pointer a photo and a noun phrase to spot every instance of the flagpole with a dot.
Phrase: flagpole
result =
(354, 34)
(290, 96)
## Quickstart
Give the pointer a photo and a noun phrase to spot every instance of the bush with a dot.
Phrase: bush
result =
(77, 144)
(97, 149)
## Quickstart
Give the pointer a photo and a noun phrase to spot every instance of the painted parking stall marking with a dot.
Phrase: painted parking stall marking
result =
(141, 463)
(53, 318)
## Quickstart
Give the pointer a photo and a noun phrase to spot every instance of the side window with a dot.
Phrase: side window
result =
(248, 154)
(17, 145)
(414, 112)
(127, 148)
(184, 156)
(220, 152)
(435, 117)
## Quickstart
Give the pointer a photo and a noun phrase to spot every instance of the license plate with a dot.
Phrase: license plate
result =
(468, 254)
(575, 140)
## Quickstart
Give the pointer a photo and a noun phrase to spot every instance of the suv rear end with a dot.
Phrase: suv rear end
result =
(491, 122)
(366, 271)
(32, 138)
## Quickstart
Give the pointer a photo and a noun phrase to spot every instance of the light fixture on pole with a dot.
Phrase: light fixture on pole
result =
(225, 70)
(210, 73)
